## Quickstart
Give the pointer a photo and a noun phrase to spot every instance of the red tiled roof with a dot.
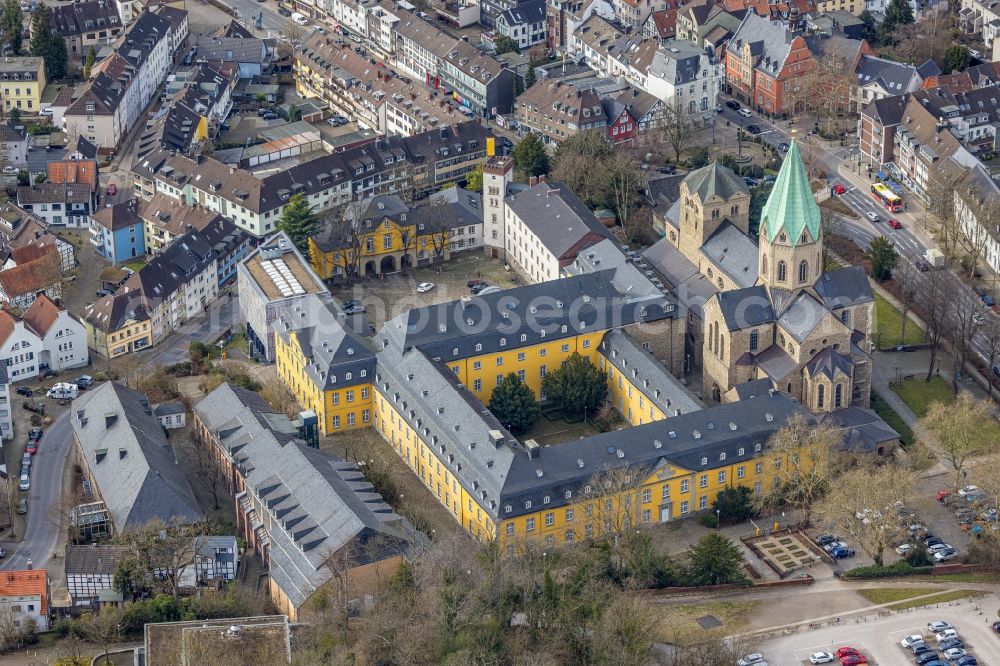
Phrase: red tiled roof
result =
(32, 276)
(41, 315)
(959, 82)
(74, 171)
(25, 582)
(26, 253)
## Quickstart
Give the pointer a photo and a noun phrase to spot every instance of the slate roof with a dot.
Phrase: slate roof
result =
(663, 185)
(713, 180)
(828, 362)
(802, 316)
(137, 474)
(679, 63)
(689, 285)
(121, 215)
(770, 42)
(334, 357)
(844, 287)
(894, 77)
(753, 388)
(324, 503)
(776, 363)
(525, 13)
(110, 313)
(888, 111)
(864, 429)
(231, 49)
(562, 222)
(649, 376)
(734, 253)
(750, 306)
(168, 408)
(791, 206)
(69, 20)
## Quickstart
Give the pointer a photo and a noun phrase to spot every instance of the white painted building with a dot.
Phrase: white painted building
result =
(46, 337)
(25, 594)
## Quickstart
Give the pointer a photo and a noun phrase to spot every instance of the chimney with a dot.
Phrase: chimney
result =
(532, 181)
(30, 565)
(541, 179)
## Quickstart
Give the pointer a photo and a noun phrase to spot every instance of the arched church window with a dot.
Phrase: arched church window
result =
(782, 270)
(763, 266)
(820, 396)
(803, 271)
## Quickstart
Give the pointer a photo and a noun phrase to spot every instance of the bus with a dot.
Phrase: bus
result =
(889, 199)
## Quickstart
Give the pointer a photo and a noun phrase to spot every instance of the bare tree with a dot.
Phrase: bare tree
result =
(611, 501)
(936, 318)
(14, 629)
(167, 549)
(959, 429)
(942, 184)
(906, 278)
(863, 505)
(966, 314)
(104, 628)
(627, 183)
(805, 463)
(277, 394)
(991, 335)
(677, 123)
(707, 648)
(438, 219)
(209, 474)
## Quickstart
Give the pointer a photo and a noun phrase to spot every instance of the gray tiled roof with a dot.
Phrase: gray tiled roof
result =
(734, 253)
(138, 475)
(844, 287)
(525, 13)
(828, 362)
(865, 430)
(802, 316)
(321, 503)
(691, 288)
(557, 216)
(715, 180)
(753, 388)
(661, 388)
(94, 559)
(894, 77)
(750, 306)
(231, 49)
(776, 363)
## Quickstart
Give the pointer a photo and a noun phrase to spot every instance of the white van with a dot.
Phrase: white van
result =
(300, 18)
(63, 391)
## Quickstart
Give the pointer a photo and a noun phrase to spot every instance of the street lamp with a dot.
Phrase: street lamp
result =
(718, 519)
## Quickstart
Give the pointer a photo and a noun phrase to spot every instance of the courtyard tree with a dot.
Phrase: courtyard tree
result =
(805, 461)
(862, 505)
(715, 560)
(13, 25)
(577, 387)
(168, 548)
(48, 45)
(733, 504)
(897, 13)
(627, 182)
(474, 180)
(505, 44)
(513, 403)
(104, 628)
(612, 495)
(298, 221)
(89, 63)
(960, 428)
(956, 59)
(530, 158)
(882, 254)
(677, 123)
(573, 166)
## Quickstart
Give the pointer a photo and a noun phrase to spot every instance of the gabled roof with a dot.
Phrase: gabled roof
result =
(525, 13)
(893, 77)
(742, 308)
(25, 583)
(829, 362)
(32, 276)
(41, 315)
(844, 287)
(802, 316)
(130, 458)
(93, 559)
(734, 253)
(121, 215)
(865, 429)
(74, 171)
(791, 206)
(562, 222)
(715, 180)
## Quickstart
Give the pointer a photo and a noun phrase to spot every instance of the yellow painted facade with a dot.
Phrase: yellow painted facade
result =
(341, 409)
(133, 336)
(481, 374)
(627, 398)
(23, 81)
(384, 240)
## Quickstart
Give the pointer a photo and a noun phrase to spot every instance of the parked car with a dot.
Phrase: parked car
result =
(47, 111)
(84, 381)
(987, 299)
(820, 658)
(937, 547)
(945, 555)
(480, 288)
(842, 553)
(424, 287)
(996, 626)
(833, 545)
(750, 659)
(3, 553)
(954, 654)
(911, 640)
(22, 505)
(967, 660)
(25, 483)
(963, 492)
(824, 539)
(921, 649)
(845, 651)
(284, 11)
(945, 635)
(718, 108)
(951, 643)
(112, 190)
(782, 147)
(926, 658)
(472, 283)
(23, 390)
(853, 660)
(733, 104)
(746, 113)
(904, 549)
(35, 434)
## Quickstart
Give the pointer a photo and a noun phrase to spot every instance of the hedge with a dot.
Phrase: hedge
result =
(901, 568)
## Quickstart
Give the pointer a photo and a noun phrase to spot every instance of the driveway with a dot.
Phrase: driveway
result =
(44, 498)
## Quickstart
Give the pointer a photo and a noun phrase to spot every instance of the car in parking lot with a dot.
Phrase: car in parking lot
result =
(846, 651)
(904, 548)
(833, 545)
(920, 649)
(945, 635)
(945, 555)
(926, 658)
(480, 288)
(853, 660)
(937, 547)
(954, 654)
(820, 658)
(967, 660)
(911, 640)
(746, 113)
(472, 283)
(24, 390)
(962, 492)
(424, 287)
(951, 643)
(782, 147)
(825, 539)
(842, 553)
(750, 659)
(939, 626)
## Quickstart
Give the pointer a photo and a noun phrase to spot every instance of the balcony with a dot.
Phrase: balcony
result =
(96, 241)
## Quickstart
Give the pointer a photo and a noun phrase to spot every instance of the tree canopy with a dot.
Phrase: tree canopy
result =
(882, 254)
(298, 221)
(12, 25)
(48, 45)
(715, 560)
(505, 44)
(513, 403)
(530, 157)
(576, 387)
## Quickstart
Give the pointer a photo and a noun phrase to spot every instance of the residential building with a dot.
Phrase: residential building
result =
(547, 226)
(78, 170)
(337, 518)
(420, 45)
(128, 460)
(164, 220)
(58, 204)
(105, 109)
(6, 411)
(170, 415)
(13, 145)
(118, 324)
(45, 337)
(560, 17)
(525, 23)
(91, 24)
(266, 290)
(22, 81)
(557, 110)
(680, 73)
(878, 78)
(199, 102)
(490, 10)
(90, 572)
(228, 640)
(974, 195)
(476, 80)
(216, 560)
(29, 272)
(118, 232)
(813, 343)
(25, 595)
(707, 24)
(33, 232)
(249, 55)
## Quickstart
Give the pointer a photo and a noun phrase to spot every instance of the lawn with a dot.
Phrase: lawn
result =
(135, 264)
(680, 623)
(884, 595)
(557, 431)
(918, 394)
(953, 595)
(889, 323)
(894, 420)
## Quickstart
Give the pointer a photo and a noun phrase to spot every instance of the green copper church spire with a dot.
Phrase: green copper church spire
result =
(791, 207)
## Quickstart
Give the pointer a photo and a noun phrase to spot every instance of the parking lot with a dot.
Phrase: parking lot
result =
(879, 638)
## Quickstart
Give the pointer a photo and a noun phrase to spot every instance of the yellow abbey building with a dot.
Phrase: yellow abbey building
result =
(385, 236)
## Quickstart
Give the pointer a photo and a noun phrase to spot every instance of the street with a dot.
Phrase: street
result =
(44, 498)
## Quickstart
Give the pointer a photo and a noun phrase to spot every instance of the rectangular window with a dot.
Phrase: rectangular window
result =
(350, 418)
(646, 515)
(703, 481)
(477, 385)
(510, 529)
(722, 476)
(569, 515)
(336, 421)
(758, 467)
(565, 348)
(684, 507)
(529, 525)
(702, 502)
(740, 472)
(477, 365)
(665, 493)
(646, 495)
(684, 486)
(550, 519)
(499, 361)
